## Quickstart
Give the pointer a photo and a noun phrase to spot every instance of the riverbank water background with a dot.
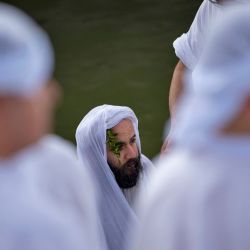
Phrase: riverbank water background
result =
(116, 52)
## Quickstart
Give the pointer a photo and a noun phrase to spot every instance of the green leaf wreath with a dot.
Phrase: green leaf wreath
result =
(113, 144)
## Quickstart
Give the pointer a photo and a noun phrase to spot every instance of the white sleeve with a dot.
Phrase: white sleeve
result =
(188, 46)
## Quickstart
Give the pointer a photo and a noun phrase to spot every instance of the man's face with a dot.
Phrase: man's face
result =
(27, 118)
(124, 158)
(41, 108)
(37, 111)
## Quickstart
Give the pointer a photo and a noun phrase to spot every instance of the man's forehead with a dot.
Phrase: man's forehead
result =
(124, 127)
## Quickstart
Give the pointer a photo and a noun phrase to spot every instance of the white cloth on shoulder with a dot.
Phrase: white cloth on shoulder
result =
(188, 47)
(198, 200)
(116, 212)
(27, 223)
(43, 189)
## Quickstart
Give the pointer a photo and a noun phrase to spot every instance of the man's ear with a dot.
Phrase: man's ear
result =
(244, 116)
(4, 103)
(246, 108)
(56, 91)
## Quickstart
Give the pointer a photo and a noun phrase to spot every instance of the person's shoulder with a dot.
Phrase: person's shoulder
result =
(58, 153)
(166, 181)
(53, 145)
(169, 172)
(207, 5)
(42, 225)
(57, 157)
(58, 143)
(205, 14)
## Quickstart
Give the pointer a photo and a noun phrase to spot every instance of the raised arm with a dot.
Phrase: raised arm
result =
(176, 86)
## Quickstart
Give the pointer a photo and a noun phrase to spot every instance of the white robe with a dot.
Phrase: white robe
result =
(198, 200)
(43, 188)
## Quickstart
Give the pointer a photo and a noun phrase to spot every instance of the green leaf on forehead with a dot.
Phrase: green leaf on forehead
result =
(113, 144)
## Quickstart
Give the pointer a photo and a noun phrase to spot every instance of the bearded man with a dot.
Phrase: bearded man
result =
(108, 142)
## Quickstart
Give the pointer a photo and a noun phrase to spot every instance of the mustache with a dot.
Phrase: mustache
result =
(127, 174)
(131, 163)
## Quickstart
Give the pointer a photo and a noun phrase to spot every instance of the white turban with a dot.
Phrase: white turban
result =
(26, 54)
(116, 213)
(220, 80)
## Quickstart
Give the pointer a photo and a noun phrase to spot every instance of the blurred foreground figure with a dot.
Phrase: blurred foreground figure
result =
(199, 196)
(108, 141)
(188, 48)
(47, 202)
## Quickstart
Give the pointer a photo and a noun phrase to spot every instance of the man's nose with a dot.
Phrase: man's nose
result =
(131, 152)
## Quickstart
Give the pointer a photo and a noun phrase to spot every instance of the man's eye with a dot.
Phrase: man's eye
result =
(119, 146)
(133, 141)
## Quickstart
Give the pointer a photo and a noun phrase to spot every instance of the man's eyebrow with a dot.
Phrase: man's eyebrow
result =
(120, 143)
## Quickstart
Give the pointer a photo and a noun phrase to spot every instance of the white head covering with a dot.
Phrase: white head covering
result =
(220, 80)
(26, 54)
(116, 214)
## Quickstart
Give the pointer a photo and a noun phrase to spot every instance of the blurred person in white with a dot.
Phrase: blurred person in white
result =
(199, 197)
(43, 191)
(188, 48)
(29, 223)
(108, 141)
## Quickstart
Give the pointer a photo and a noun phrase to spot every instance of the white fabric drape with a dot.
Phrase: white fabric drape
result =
(43, 189)
(188, 47)
(116, 213)
(28, 223)
(198, 200)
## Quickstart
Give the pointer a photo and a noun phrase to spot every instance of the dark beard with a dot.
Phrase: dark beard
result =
(127, 175)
